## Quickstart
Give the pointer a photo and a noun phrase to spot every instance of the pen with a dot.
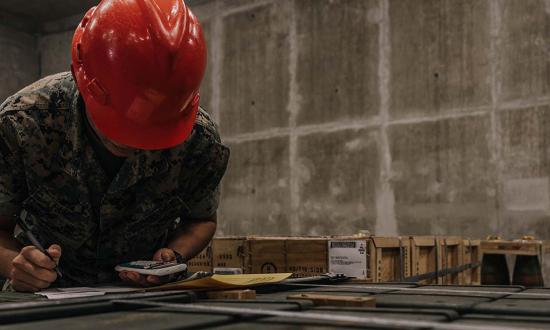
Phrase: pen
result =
(35, 242)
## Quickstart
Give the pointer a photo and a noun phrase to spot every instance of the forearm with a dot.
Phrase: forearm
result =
(9, 249)
(192, 237)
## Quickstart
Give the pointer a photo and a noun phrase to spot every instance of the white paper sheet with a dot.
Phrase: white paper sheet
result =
(80, 292)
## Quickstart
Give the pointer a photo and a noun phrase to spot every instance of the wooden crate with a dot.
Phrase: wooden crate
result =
(521, 247)
(424, 258)
(350, 256)
(266, 255)
(303, 256)
(306, 256)
(248, 255)
(230, 255)
(380, 259)
(475, 262)
(545, 256)
(391, 258)
(202, 262)
(466, 259)
(449, 251)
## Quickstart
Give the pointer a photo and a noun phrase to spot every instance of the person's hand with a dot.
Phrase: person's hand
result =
(163, 254)
(32, 270)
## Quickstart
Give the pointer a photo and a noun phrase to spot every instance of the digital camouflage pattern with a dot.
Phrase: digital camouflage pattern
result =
(48, 168)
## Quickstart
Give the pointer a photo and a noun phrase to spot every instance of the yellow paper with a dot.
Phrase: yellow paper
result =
(217, 281)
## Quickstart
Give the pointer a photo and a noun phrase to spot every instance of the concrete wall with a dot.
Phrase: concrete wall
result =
(55, 52)
(18, 64)
(424, 117)
(401, 117)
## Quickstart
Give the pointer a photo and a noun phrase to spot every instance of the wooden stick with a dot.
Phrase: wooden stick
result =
(326, 300)
(232, 294)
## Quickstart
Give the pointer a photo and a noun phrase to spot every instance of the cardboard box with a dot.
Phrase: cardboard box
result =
(449, 251)
(202, 262)
(424, 258)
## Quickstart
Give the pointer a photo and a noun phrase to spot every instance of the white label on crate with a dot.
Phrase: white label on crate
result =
(227, 271)
(348, 257)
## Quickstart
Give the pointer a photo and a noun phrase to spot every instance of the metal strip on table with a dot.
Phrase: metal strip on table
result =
(365, 321)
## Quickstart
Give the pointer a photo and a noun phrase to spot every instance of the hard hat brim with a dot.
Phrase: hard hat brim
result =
(146, 137)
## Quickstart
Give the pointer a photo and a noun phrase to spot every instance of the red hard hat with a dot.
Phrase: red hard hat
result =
(138, 65)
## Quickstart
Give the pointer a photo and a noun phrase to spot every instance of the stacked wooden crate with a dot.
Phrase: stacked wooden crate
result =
(303, 256)
(238, 255)
(421, 259)
(229, 255)
(371, 259)
(306, 256)
(535, 253)
(424, 259)
(392, 259)
(545, 255)
(449, 261)
(472, 260)
(529, 247)
(202, 262)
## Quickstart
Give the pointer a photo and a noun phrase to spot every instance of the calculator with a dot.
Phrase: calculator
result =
(151, 267)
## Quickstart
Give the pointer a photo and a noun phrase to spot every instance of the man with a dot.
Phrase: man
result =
(114, 162)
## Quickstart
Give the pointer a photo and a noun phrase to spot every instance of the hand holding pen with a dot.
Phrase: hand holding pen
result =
(34, 268)
(39, 246)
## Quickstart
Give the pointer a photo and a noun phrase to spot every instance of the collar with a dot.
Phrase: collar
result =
(77, 156)
(72, 148)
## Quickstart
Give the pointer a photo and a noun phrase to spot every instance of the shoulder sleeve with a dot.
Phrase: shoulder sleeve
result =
(204, 200)
(205, 207)
(211, 158)
(12, 176)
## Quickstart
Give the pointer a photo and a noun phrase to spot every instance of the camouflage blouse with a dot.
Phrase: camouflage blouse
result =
(48, 168)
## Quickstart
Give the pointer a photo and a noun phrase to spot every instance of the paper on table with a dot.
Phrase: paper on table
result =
(67, 295)
(80, 292)
(212, 282)
(117, 289)
(218, 281)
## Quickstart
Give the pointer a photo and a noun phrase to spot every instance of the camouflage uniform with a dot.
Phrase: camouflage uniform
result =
(49, 169)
